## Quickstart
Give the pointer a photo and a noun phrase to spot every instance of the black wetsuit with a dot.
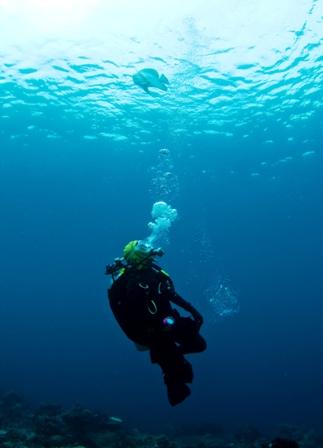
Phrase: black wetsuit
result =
(140, 301)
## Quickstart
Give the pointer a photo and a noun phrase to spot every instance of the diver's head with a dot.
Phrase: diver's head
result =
(139, 254)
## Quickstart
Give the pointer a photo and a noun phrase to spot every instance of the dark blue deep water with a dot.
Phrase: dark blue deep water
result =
(81, 167)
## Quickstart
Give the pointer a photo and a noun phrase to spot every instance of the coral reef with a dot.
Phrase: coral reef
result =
(51, 426)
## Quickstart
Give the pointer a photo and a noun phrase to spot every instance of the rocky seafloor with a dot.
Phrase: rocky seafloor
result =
(51, 426)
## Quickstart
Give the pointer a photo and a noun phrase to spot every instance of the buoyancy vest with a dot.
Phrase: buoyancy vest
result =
(140, 299)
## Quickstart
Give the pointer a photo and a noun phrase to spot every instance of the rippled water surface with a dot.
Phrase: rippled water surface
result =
(232, 70)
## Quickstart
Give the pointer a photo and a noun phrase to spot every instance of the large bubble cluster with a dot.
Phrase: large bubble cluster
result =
(163, 216)
(222, 298)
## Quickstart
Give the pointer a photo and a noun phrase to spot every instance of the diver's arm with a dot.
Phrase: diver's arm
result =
(172, 296)
(178, 300)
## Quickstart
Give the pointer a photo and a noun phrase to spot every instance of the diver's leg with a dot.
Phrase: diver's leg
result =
(176, 375)
(194, 345)
(177, 392)
(171, 360)
(187, 335)
(176, 369)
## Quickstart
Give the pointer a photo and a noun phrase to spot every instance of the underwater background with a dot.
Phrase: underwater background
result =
(83, 160)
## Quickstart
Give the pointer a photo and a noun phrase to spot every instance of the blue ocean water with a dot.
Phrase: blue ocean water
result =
(81, 166)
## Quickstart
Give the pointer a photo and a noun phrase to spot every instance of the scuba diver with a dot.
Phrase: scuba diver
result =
(141, 297)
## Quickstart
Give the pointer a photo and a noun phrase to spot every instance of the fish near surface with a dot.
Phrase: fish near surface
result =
(149, 77)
